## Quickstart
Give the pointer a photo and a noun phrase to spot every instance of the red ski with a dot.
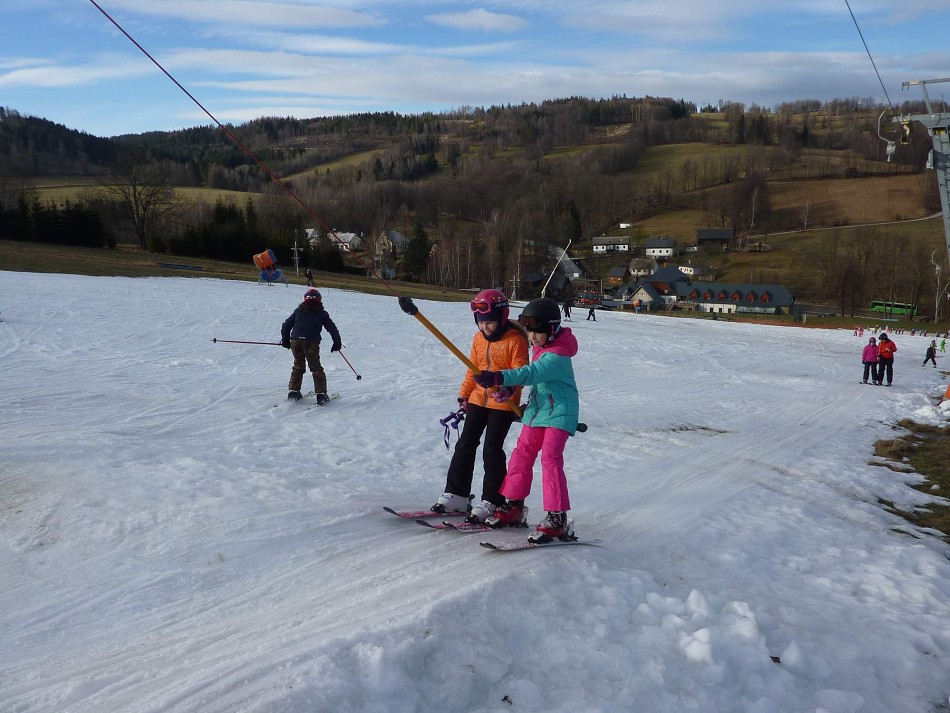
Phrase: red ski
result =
(466, 527)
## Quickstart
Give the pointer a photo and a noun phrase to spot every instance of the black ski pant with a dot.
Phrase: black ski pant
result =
(931, 358)
(870, 368)
(495, 424)
(885, 366)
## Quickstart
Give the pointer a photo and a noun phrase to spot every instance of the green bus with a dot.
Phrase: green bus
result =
(893, 307)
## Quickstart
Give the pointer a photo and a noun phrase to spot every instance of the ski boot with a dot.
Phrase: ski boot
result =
(450, 502)
(294, 396)
(481, 512)
(555, 526)
(511, 514)
(322, 398)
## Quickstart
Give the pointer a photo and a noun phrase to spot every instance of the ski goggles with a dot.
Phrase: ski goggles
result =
(486, 307)
(533, 324)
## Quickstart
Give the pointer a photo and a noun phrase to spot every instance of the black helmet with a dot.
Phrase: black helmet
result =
(542, 315)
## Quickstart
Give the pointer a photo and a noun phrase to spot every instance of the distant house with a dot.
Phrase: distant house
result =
(616, 275)
(391, 242)
(346, 242)
(657, 289)
(694, 271)
(606, 244)
(649, 297)
(660, 248)
(641, 267)
(715, 238)
(559, 286)
(731, 298)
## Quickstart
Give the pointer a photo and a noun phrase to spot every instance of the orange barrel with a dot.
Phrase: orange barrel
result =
(265, 259)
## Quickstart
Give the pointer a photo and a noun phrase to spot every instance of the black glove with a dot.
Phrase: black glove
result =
(285, 343)
(463, 404)
(488, 378)
(336, 347)
(407, 306)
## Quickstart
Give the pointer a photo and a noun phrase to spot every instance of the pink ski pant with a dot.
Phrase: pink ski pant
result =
(550, 443)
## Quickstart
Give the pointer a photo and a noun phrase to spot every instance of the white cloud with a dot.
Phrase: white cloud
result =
(51, 76)
(251, 12)
(479, 19)
(338, 45)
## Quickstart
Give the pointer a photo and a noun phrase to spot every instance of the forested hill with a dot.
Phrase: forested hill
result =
(32, 146)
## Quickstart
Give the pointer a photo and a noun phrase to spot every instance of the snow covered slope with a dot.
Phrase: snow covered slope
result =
(174, 536)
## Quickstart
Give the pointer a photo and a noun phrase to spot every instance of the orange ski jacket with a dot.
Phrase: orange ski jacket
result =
(508, 352)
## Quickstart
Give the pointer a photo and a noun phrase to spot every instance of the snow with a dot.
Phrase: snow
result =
(176, 537)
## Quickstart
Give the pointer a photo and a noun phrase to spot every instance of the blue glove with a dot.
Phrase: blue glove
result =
(488, 379)
(502, 394)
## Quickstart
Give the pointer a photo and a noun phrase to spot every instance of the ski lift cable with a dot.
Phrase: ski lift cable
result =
(868, 50)
(405, 303)
(230, 134)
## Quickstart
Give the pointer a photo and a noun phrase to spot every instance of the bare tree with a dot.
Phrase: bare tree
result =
(803, 213)
(143, 197)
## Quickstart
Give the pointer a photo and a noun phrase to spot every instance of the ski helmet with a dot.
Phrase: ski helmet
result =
(490, 306)
(542, 315)
(313, 295)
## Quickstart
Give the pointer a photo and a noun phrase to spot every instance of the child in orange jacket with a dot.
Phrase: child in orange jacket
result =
(499, 343)
(885, 359)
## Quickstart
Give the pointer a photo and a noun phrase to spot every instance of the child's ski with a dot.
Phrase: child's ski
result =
(466, 527)
(525, 545)
(333, 397)
(529, 545)
(417, 514)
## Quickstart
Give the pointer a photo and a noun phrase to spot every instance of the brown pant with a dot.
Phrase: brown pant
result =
(307, 354)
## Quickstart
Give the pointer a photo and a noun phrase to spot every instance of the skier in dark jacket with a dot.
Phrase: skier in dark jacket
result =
(301, 333)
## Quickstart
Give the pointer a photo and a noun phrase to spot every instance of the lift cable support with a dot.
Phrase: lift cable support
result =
(938, 126)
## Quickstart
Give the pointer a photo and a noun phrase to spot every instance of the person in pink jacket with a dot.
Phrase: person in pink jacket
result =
(869, 359)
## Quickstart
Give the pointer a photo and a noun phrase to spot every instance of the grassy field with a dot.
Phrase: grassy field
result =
(63, 188)
(850, 201)
(351, 161)
(657, 159)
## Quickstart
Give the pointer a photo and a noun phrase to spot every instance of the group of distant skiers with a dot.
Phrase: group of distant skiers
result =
(490, 403)
(878, 358)
(569, 303)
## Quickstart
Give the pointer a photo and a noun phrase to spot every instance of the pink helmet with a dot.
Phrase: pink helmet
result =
(490, 306)
(312, 294)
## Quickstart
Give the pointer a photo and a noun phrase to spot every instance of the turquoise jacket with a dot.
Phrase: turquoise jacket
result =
(553, 402)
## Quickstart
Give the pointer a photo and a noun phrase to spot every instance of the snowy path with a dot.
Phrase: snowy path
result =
(176, 537)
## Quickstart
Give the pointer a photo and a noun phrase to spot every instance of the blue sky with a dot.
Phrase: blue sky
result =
(63, 60)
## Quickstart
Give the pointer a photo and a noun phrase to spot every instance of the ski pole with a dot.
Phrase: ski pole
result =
(408, 306)
(358, 377)
(235, 341)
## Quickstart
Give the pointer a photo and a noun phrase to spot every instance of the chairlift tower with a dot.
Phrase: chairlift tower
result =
(938, 126)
